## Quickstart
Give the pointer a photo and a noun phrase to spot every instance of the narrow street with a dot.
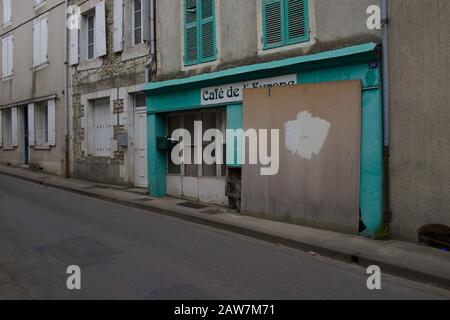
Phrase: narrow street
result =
(133, 254)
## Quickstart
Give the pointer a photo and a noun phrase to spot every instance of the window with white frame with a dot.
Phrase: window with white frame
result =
(7, 56)
(137, 22)
(90, 36)
(7, 12)
(40, 41)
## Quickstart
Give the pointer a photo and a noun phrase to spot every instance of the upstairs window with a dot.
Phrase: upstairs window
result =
(40, 39)
(199, 31)
(90, 36)
(7, 12)
(137, 22)
(285, 22)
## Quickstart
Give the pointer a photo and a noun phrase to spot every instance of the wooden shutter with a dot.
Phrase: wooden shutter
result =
(51, 125)
(297, 25)
(1, 128)
(100, 29)
(7, 12)
(73, 47)
(31, 139)
(36, 42)
(272, 23)
(44, 40)
(4, 56)
(118, 26)
(14, 126)
(208, 33)
(145, 23)
(191, 51)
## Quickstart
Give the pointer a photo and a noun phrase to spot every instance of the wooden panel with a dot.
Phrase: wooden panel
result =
(318, 188)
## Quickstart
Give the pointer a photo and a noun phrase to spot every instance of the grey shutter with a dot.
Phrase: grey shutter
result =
(14, 130)
(100, 29)
(51, 125)
(1, 129)
(146, 20)
(31, 140)
(118, 26)
(73, 47)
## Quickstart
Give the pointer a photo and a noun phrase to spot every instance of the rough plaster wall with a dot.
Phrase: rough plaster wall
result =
(420, 115)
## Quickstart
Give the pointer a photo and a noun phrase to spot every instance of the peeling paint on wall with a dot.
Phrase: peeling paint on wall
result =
(306, 135)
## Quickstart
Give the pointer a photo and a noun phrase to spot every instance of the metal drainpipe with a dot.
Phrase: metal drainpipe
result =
(386, 108)
(152, 58)
(66, 95)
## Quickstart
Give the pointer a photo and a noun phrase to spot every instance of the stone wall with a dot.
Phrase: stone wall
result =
(117, 70)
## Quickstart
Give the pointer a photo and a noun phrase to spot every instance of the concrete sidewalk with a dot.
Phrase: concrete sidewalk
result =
(403, 259)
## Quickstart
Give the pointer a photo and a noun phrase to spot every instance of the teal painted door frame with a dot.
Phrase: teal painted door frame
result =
(363, 67)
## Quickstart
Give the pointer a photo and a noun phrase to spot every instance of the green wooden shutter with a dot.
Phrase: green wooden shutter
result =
(208, 32)
(273, 23)
(191, 39)
(297, 25)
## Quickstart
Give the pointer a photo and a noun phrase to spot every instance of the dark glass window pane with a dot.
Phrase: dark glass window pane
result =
(137, 5)
(173, 123)
(90, 51)
(137, 36)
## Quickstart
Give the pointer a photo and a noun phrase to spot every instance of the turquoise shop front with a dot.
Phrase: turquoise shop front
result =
(173, 102)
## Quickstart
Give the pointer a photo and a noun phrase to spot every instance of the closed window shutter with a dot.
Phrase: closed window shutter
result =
(273, 23)
(100, 29)
(14, 126)
(31, 139)
(51, 125)
(36, 43)
(118, 26)
(4, 56)
(208, 30)
(1, 129)
(73, 47)
(297, 21)
(44, 40)
(191, 32)
(7, 13)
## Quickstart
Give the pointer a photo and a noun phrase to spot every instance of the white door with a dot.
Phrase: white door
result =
(102, 127)
(140, 125)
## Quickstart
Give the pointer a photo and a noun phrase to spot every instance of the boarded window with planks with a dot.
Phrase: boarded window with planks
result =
(285, 22)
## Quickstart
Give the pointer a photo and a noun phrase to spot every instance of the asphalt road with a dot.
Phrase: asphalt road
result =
(126, 253)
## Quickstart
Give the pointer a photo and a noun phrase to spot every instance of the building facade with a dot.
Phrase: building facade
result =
(268, 65)
(419, 116)
(111, 59)
(32, 108)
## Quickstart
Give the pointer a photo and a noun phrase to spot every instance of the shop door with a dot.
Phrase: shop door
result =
(140, 125)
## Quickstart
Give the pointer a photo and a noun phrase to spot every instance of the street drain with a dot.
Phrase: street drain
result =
(192, 205)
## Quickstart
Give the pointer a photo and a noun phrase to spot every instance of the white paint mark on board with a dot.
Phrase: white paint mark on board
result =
(306, 135)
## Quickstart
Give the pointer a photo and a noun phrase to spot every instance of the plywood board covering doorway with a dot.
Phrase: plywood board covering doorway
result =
(318, 183)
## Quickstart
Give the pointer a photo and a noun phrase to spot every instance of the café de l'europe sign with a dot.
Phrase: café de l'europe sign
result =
(233, 92)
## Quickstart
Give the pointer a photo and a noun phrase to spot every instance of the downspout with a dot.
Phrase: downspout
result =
(152, 60)
(66, 96)
(386, 108)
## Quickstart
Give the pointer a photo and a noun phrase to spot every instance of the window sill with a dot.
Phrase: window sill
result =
(7, 78)
(8, 148)
(263, 51)
(40, 66)
(90, 64)
(43, 147)
(7, 24)
(40, 5)
(136, 51)
(200, 65)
